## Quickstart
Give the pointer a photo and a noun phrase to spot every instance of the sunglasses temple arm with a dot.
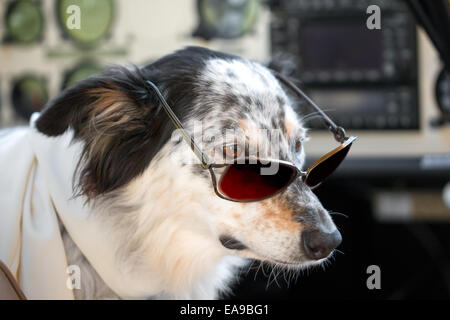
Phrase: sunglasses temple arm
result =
(338, 132)
(177, 123)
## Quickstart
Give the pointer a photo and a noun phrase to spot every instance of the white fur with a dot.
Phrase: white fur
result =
(168, 220)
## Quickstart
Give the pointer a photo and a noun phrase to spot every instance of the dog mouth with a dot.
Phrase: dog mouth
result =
(234, 244)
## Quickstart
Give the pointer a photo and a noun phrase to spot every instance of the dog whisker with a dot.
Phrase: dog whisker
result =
(257, 270)
(313, 115)
(335, 213)
(276, 275)
(272, 272)
(250, 267)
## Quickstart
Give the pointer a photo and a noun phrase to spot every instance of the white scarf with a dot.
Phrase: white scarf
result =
(35, 187)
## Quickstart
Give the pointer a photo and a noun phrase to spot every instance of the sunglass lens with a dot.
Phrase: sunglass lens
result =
(247, 182)
(325, 168)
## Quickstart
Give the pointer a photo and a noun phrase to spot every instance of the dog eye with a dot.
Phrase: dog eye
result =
(298, 145)
(232, 150)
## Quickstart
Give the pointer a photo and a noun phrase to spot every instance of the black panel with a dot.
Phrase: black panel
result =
(365, 79)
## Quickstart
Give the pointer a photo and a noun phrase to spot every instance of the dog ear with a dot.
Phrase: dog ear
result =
(117, 118)
(103, 98)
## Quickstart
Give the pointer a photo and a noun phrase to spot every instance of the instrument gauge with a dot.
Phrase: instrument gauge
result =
(225, 18)
(29, 94)
(96, 17)
(24, 22)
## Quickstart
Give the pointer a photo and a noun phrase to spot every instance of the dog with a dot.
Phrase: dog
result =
(174, 238)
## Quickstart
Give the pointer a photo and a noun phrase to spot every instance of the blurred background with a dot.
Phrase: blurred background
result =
(389, 86)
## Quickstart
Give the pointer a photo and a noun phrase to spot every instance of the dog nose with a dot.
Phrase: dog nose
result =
(318, 244)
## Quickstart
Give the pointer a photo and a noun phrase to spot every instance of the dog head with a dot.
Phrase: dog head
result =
(134, 161)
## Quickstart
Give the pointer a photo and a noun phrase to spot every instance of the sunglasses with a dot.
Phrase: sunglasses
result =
(245, 179)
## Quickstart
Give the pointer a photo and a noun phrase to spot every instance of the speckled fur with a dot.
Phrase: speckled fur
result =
(167, 218)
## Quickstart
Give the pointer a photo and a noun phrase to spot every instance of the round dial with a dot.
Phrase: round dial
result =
(226, 18)
(95, 17)
(24, 21)
(443, 93)
(29, 94)
(81, 72)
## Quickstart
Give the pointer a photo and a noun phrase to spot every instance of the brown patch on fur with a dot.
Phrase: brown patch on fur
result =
(250, 129)
(243, 124)
(236, 216)
(255, 139)
(108, 100)
(279, 215)
(110, 120)
(290, 127)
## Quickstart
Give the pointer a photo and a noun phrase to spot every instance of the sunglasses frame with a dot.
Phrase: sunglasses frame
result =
(338, 132)
(216, 182)
(297, 172)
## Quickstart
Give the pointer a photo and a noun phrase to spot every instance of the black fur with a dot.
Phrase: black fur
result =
(130, 146)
